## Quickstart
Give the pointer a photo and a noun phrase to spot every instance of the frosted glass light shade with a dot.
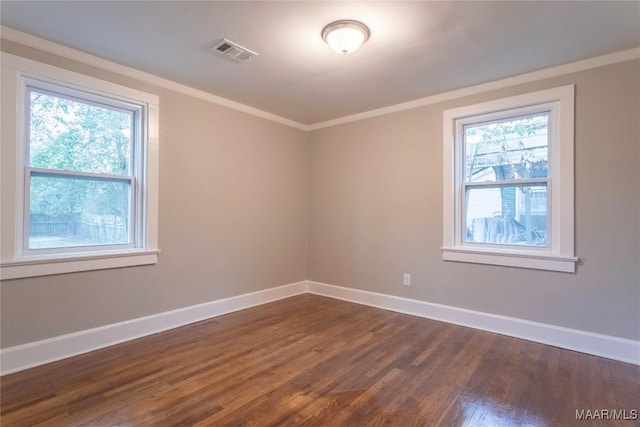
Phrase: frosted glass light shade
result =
(345, 36)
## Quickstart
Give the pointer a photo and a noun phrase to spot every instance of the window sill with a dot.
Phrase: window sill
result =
(511, 258)
(33, 266)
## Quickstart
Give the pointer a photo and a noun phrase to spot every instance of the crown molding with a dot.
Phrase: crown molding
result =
(89, 59)
(586, 64)
(76, 55)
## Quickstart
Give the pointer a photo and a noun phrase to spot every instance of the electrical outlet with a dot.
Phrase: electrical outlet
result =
(406, 280)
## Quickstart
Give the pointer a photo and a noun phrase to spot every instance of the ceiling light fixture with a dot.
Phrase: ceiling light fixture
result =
(345, 36)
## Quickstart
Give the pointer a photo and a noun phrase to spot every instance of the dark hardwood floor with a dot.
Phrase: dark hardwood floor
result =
(315, 361)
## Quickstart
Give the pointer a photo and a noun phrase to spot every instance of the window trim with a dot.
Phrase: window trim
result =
(16, 262)
(559, 254)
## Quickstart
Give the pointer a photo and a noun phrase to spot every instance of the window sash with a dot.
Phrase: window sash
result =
(497, 118)
(530, 182)
(88, 98)
(78, 174)
(463, 212)
(95, 177)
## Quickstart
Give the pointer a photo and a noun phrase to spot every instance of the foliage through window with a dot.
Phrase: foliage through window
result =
(79, 170)
(80, 173)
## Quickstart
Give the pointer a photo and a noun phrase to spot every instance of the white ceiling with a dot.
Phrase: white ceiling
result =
(416, 49)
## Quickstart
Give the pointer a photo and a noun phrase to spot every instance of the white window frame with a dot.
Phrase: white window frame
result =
(16, 259)
(558, 255)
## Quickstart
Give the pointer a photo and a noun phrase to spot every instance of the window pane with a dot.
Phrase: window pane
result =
(71, 211)
(516, 148)
(507, 215)
(68, 134)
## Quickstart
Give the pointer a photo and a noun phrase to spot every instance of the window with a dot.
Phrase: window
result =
(508, 184)
(81, 183)
(86, 173)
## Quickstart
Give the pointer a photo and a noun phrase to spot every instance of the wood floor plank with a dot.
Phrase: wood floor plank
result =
(315, 361)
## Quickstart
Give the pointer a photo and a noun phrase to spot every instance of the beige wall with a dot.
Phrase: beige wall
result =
(232, 219)
(247, 204)
(375, 212)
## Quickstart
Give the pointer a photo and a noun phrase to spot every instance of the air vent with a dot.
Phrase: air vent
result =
(233, 51)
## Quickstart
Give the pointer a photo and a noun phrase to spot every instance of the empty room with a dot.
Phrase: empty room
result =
(300, 213)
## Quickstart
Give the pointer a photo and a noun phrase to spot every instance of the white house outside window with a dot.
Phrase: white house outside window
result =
(505, 177)
(84, 172)
(508, 183)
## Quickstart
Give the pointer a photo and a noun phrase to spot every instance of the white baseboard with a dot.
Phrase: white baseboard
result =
(20, 357)
(624, 350)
